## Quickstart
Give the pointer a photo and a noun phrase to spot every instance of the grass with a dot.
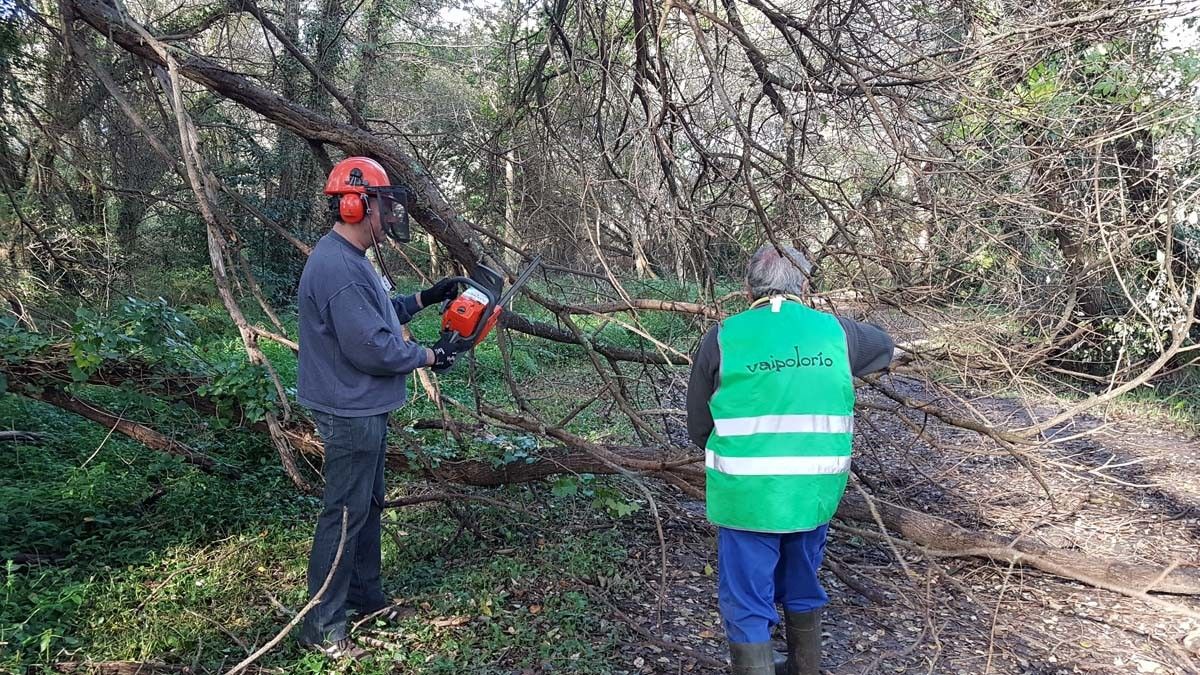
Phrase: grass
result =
(176, 579)
(150, 559)
(1176, 400)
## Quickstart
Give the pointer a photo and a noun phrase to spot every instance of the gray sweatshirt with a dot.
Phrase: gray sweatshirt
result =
(867, 345)
(354, 360)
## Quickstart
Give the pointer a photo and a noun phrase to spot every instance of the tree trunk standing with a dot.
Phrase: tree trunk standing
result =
(1134, 154)
(11, 170)
(924, 210)
(325, 40)
(290, 151)
(702, 259)
(637, 235)
(1053, 182)
(298, 198)
(874, 215)
(326, 43)
(1071, 243)
(138, 169)
(290, 200)
(510, 208)
(130, 213)
(368, 63)
(67, 109)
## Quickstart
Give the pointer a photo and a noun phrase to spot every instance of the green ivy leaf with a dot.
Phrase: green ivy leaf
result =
(622, 508)
(565, 486)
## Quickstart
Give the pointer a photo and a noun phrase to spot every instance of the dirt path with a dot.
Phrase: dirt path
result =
(1126, 489)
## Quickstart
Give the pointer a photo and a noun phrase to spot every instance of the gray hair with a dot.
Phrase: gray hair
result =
(777, 270)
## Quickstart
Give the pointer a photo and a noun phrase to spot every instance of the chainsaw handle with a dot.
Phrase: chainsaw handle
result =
(487, 311)
(466, 281)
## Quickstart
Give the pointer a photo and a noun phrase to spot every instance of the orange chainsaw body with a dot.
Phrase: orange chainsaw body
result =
(467, 311)
(471, 316)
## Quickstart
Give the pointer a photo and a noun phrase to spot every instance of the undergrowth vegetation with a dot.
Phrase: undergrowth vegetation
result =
(116, 552)
(112, 551)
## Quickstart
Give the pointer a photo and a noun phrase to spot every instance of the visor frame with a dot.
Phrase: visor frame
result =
(393, 214)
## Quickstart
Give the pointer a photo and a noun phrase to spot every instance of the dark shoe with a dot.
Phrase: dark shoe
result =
(804, 642)
(339, 650)
(752, 658)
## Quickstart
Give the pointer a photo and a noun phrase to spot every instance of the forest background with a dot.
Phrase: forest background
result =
(1010, 188)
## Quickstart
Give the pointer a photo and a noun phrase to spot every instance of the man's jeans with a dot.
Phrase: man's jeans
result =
(354, 454)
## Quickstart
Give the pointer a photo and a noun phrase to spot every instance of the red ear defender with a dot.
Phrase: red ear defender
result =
(352, 208)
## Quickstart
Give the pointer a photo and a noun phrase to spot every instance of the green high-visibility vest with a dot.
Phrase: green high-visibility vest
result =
(779, 453)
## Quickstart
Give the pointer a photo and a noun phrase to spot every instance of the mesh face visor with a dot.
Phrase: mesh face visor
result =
(392, 214)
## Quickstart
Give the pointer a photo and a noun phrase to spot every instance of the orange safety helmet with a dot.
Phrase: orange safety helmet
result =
(355, 184)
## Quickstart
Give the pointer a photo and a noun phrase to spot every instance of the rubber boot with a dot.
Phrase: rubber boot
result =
(780, 663)
(804, 642)
(752, 658)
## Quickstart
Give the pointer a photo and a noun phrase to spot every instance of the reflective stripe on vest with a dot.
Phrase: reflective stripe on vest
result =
(785, 424)
(777, 466)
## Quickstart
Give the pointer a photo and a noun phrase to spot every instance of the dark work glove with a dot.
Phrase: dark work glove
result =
(446, 349)
(443, 359)
(451, 342)
(443, 290)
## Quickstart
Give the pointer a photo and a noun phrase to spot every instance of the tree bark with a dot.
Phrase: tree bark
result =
(138, 432)
(368, 63)
(941, 535)
(510, 207)
(117, 668)
(19, 437)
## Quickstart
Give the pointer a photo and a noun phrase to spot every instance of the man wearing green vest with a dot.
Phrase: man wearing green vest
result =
(771, 401)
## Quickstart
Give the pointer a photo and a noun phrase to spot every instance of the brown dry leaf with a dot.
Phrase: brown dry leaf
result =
(450, 621)
(707, 634)
(535, 609)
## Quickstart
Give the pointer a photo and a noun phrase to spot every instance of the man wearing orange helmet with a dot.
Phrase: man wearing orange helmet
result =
(353, 367)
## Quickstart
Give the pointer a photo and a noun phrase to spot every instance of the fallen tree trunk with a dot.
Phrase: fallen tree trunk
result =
(19, 437)
(553, 461)
(938, 535)
(118, 668)
(943, 537)
(138, 432)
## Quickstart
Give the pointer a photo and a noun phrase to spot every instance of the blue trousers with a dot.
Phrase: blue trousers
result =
(353, 471)
(758, 570)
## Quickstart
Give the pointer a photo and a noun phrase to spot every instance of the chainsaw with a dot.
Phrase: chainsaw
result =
(467, 319)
